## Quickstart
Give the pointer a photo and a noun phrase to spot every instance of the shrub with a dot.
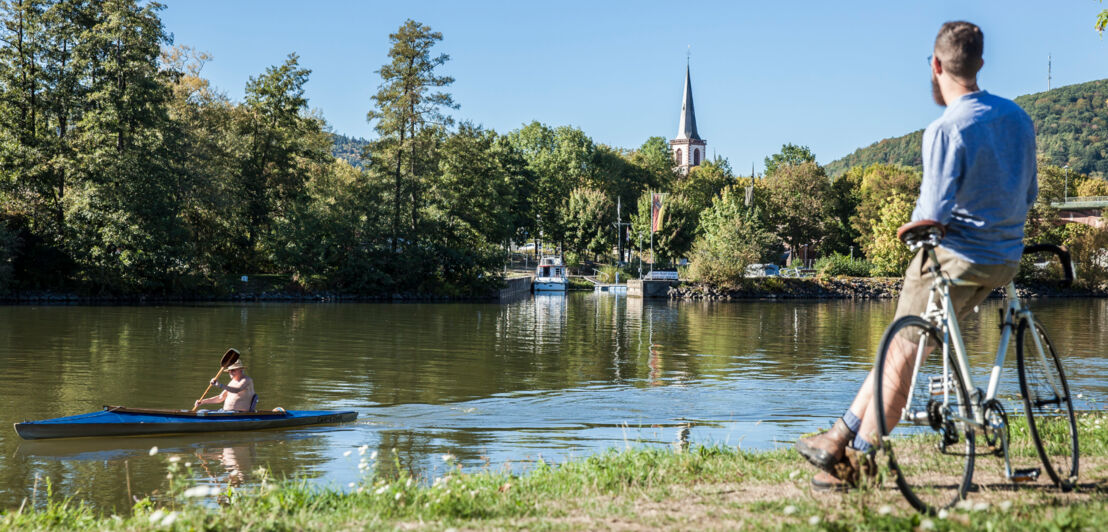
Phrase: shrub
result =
(607, 274)
(839, 264)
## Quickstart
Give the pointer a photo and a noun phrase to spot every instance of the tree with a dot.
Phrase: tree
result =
(798, 203)
(559, 160)
(733, 235)
(790, 155)
(876, 184)
(704, 183)
(589, 216)
(887, 253)
(406, 103)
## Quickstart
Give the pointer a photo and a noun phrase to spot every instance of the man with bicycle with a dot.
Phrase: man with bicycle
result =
(979, 180)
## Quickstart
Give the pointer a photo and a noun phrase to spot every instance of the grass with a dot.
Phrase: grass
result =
(704, 487)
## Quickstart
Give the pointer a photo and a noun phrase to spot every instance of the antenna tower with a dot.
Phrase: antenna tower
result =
(1048, 61)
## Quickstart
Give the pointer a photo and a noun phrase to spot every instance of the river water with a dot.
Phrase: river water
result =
(500, 386)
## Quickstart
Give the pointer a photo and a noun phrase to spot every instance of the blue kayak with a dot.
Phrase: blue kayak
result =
(122, 421)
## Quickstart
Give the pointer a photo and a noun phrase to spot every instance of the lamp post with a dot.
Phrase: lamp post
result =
(1066, 188)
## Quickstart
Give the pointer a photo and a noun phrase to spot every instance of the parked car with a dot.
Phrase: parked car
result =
(763, 270)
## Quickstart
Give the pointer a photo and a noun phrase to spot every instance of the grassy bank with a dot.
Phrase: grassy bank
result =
(710, 487)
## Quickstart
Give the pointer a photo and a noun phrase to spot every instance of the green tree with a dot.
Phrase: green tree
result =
(733, 235)
(888, 254)
(790, 155)
(406, 103)
(559, 160)
(589, 217)
(798, 203)
(877, 183)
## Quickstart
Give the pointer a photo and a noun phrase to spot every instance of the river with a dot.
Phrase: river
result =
(500, 386)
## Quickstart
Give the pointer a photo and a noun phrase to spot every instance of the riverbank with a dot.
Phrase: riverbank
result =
(701, 488)
(844, 288)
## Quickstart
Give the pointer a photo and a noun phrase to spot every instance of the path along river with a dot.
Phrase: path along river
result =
(548, 377)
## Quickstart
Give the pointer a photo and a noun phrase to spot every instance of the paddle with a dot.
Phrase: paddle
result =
(230, 357)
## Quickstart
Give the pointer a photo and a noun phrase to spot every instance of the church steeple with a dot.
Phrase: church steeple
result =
(686, 129)
(688, 148)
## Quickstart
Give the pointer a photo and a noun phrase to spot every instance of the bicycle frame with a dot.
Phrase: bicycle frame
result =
(947, 323)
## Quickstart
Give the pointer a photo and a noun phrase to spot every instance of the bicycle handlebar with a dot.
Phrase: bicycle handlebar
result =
(1063, 255)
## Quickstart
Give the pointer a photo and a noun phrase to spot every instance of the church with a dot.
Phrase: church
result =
(688, 148)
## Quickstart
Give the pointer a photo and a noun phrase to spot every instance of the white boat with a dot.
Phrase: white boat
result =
(550, 276)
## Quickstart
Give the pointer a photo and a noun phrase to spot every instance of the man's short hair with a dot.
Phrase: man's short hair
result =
(959, 47)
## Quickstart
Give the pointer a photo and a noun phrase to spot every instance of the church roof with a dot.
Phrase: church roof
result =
(686, 129)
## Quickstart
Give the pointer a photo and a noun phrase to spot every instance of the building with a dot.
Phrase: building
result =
(688, 148)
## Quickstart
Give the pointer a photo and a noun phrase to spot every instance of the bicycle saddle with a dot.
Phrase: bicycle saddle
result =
(921, 233)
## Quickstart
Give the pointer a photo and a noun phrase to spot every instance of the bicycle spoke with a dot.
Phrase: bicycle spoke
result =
(1048, 405)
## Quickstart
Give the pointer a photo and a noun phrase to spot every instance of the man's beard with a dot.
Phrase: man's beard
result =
(936, 92)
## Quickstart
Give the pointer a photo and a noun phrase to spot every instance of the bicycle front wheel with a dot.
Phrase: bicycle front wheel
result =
(1048, 405)
(932, 452)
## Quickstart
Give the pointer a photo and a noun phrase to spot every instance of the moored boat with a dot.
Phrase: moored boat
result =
(550, 276)
(123, 421)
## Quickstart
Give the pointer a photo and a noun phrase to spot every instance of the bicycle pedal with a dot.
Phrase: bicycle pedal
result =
(1030, 474)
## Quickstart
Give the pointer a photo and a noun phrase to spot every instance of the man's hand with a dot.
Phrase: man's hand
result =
(196, 404)
(215, 383)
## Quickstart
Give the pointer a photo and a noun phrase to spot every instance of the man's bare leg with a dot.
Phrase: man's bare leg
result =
(899, 365)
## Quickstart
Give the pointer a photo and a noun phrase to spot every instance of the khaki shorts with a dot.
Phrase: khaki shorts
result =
(985, 279)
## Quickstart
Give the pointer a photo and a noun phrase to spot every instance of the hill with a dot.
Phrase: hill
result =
(1071, 123)
(349, 148)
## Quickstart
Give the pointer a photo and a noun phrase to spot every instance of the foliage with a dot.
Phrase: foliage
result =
(900, 151)
(1089, 251)
(558, 159)
(1093, 186)
(732, 236)
(607, 274)
(790, 155)
(349, 149)
(798, 204)
(876, 184)
(839, 264)
(588, 217)
(890, 257)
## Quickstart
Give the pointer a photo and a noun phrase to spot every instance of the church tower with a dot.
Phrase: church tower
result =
(688, 148)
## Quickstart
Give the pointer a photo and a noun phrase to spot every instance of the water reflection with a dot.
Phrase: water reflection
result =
(549, 377)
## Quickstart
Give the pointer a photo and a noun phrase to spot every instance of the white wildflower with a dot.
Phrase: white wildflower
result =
(201, 491)
(814, 520)
(966, 505)
(362, 450)
(373, 455)
(350, 485)
(153, 450)
(347, 453)
(174, 459)
(408, 484)
(981, 506)
(795, 473)
(943, 514)
(1006, 505)
(885, 510)
(157, 516)
(447, 458)
(169, 519)
(188, 464)
(790, 509)
(398, 495)
(381, 490)
(927, 524)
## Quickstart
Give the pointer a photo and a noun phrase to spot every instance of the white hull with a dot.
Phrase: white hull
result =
(549, 286)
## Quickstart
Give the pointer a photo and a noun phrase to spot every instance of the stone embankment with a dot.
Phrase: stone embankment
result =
(844, 288)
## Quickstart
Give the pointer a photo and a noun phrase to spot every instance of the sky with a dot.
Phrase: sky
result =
(833, 76)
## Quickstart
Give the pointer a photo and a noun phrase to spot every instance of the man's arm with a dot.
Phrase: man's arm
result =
(943, 168)
(235, 389)
(212, 400)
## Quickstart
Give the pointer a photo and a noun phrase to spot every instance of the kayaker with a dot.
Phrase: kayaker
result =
(237, 395)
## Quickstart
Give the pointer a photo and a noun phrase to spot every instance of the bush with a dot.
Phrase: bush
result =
(607, 274)
(839, 264)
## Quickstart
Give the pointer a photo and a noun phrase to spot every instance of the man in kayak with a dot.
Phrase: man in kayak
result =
(979, 180)
(237, 395)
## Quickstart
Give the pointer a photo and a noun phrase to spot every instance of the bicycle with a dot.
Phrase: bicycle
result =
(945, 413)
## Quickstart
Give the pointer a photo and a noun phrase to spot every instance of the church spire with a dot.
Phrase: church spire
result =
(686, 129)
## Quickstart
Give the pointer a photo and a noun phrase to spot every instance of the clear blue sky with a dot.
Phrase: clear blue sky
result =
(834, 76)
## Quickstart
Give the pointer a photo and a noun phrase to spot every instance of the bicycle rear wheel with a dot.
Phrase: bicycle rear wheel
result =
(1048, 405)
(932, 452)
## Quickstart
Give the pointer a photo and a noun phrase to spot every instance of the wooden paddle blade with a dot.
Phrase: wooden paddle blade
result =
(230, 357)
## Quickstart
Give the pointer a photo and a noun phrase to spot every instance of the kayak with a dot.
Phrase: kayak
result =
(123, 421)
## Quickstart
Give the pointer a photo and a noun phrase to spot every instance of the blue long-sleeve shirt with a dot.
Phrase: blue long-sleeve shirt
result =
(979, 177)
